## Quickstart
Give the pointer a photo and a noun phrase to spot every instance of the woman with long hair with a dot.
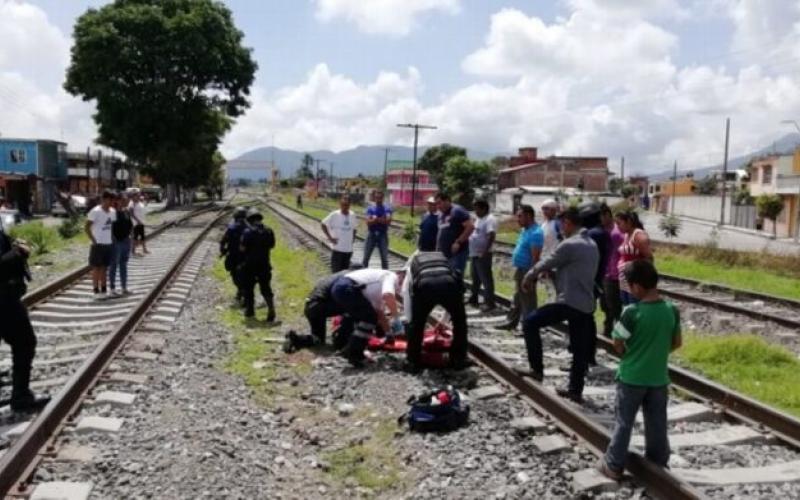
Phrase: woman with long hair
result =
(121, 231)
(635, 246)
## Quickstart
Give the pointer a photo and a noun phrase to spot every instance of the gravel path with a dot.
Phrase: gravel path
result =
(323, 430)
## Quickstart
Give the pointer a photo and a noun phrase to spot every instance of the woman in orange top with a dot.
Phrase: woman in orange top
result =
(635, 246)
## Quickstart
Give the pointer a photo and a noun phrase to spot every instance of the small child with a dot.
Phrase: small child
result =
(644, 336)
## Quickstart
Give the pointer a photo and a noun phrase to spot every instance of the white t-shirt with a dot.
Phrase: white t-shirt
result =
(101, 224)
(137, 210)
(550, 232)
(378, 282)
(341, 227)
(479, 239)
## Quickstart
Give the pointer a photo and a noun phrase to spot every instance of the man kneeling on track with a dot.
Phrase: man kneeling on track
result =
(318, 308)
(364, 296)
(17, 330)
(429, 281)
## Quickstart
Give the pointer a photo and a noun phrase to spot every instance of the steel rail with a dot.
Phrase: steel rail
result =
(19, 462)
(39, 294)
(659, 482)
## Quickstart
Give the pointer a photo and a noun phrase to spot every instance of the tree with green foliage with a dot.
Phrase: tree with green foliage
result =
(435, 159)
(462, 176)
(707, 185)
(215, 185)
(770, 206)
(305, 171)
(168, 78)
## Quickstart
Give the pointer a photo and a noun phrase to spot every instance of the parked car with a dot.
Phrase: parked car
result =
(79, 203)
(152, 193)
(9, 218)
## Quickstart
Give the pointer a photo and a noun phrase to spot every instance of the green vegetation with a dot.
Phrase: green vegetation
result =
(763, 273)
(71, 227)
(42, 239)
(373, 463)
(770, 206)
(748, 364)
(255, 359)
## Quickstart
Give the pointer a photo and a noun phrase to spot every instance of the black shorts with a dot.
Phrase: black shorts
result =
(138, 232)
(100, 255)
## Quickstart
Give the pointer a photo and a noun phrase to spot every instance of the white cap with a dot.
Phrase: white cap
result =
(431, 199)
(551, 203)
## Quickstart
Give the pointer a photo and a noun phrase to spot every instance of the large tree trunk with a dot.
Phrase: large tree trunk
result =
(171, 195)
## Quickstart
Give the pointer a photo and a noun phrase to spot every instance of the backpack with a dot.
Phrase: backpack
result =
(440, 410)
(431, 266)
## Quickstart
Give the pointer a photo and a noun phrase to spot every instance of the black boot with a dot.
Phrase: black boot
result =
(270, 310)
(22, 399)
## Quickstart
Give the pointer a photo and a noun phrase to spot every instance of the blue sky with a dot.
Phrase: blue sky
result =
(652, 80)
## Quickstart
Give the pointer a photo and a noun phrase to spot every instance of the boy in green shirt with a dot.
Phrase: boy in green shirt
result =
(644, 336)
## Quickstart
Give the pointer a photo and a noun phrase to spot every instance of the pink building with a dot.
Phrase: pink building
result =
(398, 187)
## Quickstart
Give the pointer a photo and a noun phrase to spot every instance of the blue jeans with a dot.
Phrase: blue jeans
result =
(380, 240)
(120, 253)
(653, 401)
(582, 331)
(459, 263)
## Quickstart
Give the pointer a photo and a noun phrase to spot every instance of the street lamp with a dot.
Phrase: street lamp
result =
(416, 127)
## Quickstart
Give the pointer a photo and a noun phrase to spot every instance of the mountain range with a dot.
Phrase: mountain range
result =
(367, 160)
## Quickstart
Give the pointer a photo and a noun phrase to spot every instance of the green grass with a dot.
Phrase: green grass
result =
(754, 279)
(291, 289)
(746, 363)
(373, 463)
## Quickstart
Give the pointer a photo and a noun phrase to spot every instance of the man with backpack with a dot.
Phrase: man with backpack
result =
(256, 244)
(229, 248)
(429, 281)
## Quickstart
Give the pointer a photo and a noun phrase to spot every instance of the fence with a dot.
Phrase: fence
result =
(708, 208)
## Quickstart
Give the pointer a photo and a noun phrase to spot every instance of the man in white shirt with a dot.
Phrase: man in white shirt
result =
(364, 296)
(137, 209)
(98, 227)
(480, 253)
(340, 229)
(551, 229)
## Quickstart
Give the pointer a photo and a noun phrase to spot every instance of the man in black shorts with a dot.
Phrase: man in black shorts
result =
(98, 227)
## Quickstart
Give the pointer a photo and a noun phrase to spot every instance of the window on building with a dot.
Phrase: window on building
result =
(17, 155)
(766, 174)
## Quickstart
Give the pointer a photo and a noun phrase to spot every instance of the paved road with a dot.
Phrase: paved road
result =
(697, 233)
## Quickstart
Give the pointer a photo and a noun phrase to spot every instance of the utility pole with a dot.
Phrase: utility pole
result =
(416, 127)
(674, 180)
(725, 172)
(385, 167)
(622, 171)
(317, 176)
(330, 177)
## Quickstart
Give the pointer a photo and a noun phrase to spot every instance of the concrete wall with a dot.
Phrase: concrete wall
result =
(504, 202)
(708, 208)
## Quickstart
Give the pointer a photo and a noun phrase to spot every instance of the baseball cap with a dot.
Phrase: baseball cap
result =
(431, 199)
(551, 203)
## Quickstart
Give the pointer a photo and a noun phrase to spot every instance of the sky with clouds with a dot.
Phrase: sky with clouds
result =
(652, 80)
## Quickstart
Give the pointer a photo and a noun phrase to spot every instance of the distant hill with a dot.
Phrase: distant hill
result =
(784, 145)
(367, 160)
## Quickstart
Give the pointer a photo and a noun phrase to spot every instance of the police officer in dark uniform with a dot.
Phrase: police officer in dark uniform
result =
(256, 244)
(17, 330)
(430, 280)
(318, 308)
(229, 248)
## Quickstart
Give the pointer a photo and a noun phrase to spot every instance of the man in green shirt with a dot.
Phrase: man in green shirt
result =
(644, 336)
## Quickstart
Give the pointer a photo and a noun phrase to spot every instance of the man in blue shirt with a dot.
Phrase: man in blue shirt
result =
(526, 254)
(455, 226)
(429, 228)
(379, 216)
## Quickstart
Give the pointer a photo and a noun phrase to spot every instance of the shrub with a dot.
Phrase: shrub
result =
(670, 225)
(410, 231)
(70, 227)
(41, 239)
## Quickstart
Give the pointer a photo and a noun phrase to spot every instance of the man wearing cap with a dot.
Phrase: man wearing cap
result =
(256, 244)
(455, 227)
(340, 228)
(137, 210)
(551, 230)
(574, 261)
(229, 248)
(365, 296)
(429, 227)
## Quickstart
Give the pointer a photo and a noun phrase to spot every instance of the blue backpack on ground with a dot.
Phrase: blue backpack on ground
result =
(437, 411)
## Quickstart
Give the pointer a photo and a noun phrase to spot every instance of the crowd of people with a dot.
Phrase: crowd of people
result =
(579, 256)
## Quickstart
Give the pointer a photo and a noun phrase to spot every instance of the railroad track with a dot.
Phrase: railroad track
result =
(727, 445)
(761, 308)
(80, 336)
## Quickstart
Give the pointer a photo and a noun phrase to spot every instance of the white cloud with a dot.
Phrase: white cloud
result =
(387, 17)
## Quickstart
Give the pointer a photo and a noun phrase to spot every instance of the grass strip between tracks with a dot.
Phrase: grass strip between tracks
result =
(746, 363)
(257, 357)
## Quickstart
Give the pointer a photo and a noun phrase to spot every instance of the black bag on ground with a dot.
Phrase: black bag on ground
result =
(437, 411)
